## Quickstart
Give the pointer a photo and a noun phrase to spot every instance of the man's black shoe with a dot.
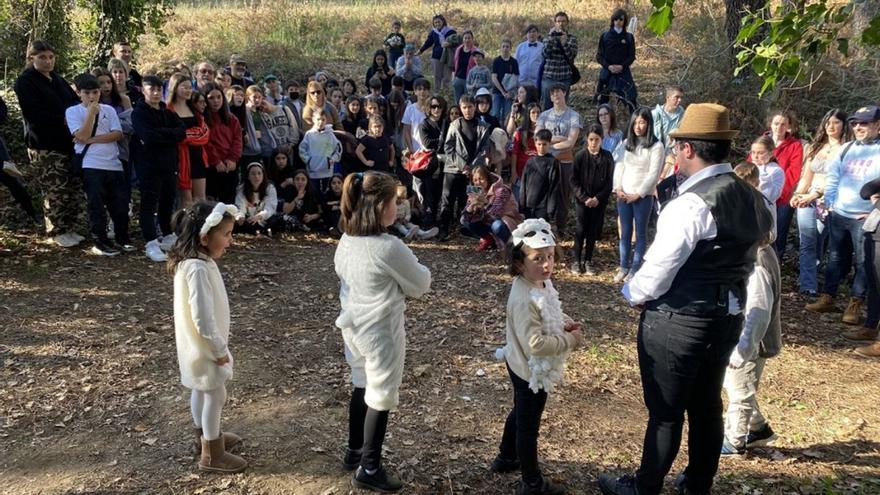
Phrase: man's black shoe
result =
(380, 481)
(501, 465)
(624, 485)
(351, 460)
(545, 487)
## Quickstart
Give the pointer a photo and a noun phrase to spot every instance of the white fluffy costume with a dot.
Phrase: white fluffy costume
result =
(376, 273)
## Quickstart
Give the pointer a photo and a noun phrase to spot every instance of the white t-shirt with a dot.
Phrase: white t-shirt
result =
(413, 117)
(100, 156)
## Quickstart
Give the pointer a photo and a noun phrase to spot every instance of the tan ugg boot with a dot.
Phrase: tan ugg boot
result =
(230, 440)
(825, 304)
(215, 458)
(872, 350)
(853, 313)
(861, 334)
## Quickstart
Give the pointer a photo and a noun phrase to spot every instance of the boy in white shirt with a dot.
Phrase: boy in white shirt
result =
(96, 129)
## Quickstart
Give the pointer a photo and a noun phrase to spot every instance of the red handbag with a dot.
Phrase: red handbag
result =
(418, 161)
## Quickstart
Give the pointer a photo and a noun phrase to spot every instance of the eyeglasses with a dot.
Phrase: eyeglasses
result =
(434, 106)
(205, 71)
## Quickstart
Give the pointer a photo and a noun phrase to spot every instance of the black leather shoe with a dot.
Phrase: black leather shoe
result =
(501, 465)
(624, 485)
(546, 487)
(351, 460)
(380, 481)
(681, 487)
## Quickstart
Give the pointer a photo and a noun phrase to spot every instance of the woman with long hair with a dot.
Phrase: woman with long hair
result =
(789, 153)
(830, 135)
(224, 146)
(316, 98)
(436, 41)
(191, 155)
(381, 70)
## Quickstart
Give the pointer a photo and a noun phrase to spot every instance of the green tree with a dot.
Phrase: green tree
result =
(117, 20)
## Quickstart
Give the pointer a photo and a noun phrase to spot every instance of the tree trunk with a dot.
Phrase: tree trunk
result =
(734, 12)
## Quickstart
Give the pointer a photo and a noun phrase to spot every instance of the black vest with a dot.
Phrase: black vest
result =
(722, 265)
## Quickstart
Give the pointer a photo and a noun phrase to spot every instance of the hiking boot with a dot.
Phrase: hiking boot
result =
(215, 458)
(624, 485)
(762, 437)
(502, 465)
(545, 487)
(154, 251)
(230, 440)
(853, 313)
(352, 459)
(168, 242)
(825, 304)
(104, 248)
(861, 334)
(620, 275)
(871, 351)
(380, 481)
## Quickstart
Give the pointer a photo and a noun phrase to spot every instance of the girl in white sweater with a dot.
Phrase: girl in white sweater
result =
(377, 272)
(539, 339)
(201, 325)
(638, 161)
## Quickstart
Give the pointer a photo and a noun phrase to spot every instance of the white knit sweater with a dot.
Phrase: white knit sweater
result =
(377, 273)
(638, 171)
(201, 324)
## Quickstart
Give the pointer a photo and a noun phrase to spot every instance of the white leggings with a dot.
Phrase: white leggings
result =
(206, 406)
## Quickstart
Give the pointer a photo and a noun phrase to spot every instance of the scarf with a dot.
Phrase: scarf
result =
(196, 136)
(441, 34)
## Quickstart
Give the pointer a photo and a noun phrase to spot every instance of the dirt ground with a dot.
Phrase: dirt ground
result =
(90, 398)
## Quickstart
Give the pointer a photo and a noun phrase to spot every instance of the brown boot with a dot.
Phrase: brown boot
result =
(215, 458)
(861, 334)
(825, 304)
(872, 350)
(230, 440)
(853, 313)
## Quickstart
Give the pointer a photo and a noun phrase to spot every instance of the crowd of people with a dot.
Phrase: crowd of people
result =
(213, 152)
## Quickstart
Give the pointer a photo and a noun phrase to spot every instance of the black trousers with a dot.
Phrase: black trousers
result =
(19, 192)
(107, 191)
(221, 185)
(454, 191)
(682, 360)
(521, 429)
(366, 430)
(589, 230)
(158, 191)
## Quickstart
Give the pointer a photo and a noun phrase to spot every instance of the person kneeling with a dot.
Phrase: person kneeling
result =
(257, 201)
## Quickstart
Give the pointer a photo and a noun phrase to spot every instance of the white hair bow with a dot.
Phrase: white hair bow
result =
(216, 216)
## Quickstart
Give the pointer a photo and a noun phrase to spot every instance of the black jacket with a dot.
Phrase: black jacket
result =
(156, 134)
(616, 49)
(540, 194)
(43, 102)
(592, 176)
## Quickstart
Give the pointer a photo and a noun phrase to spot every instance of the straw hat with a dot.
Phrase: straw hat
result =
(708, 121)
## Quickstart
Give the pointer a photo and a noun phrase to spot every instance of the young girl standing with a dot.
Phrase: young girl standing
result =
(591, 186)
(201, 323)
(539, 339)
(377, 272)
(320, 150)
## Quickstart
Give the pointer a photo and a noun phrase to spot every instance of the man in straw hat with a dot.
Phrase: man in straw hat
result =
(691, 291)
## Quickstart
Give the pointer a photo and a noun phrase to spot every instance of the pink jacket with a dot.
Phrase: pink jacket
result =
(502, 205)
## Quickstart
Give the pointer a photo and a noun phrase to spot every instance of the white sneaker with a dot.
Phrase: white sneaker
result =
(154, 251)
(620, 275)
(168, 242)
(66, 240)
(76, 236)
(11, 170)
(428, 234)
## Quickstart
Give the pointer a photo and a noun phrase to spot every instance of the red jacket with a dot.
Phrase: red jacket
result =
(790, 156)
(225, 142)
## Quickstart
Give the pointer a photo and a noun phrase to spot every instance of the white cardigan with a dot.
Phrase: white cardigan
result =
(263, 210)
(201, 324)
(638, 171)
(377, 273)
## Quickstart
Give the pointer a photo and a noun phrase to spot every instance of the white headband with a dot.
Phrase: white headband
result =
(535, 233)
(216, 216)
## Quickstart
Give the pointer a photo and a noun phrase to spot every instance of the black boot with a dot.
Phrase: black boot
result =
(380, 481)
(352, 459)
(501, 465)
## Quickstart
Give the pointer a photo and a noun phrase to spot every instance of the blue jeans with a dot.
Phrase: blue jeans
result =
(546, 104)
(501, 107)
(638, 213)
(845, 235)
(498, 229)
(459, 89)
(784, 214)
(812, 234)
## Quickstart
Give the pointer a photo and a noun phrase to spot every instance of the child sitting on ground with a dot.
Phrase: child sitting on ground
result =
(258, 202)
(403, 225)
(761, 339)
(539, 339)
(201, 325)
(303, 212)
(330, 208)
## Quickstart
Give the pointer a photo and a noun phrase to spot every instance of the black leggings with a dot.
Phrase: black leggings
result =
(366, 430)
(589, 230)
(521, 429)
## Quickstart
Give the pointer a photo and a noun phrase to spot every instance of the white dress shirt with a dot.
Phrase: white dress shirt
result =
(684, 221)
(529, 59)
(771, 181)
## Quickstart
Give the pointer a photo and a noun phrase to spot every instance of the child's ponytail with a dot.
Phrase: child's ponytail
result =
(364, 198)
